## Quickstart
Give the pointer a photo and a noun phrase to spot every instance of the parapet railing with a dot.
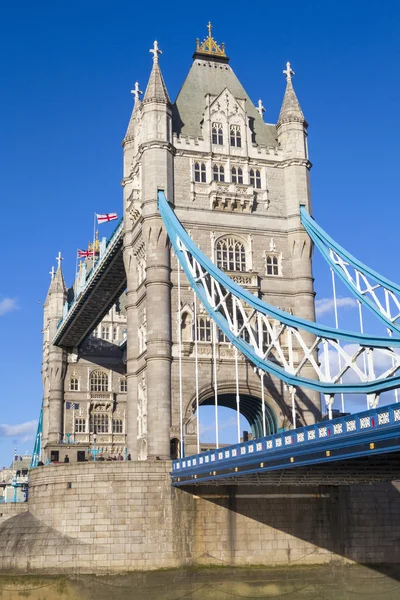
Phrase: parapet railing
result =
(342, 428)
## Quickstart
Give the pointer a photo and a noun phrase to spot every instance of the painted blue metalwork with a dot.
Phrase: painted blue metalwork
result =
(38, 441)
(177, 232)
(324, 243)
(365, 427)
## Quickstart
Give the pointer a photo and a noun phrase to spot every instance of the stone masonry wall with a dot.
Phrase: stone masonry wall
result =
(125, 516)
(10, 509)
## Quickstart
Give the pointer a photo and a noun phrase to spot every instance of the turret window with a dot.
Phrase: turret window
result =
(231, 255)
(200, 172)
(204, 329)
(236, 136)
(218, 173)
(255, 178)
(217, 135)
(237, 175)
(98, 381)
(74, 384)
(272, 264)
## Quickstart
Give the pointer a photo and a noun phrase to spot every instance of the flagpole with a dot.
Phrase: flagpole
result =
(76, 264)
(94, 237)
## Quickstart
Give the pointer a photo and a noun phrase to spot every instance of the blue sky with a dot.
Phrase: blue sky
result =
(67, 69)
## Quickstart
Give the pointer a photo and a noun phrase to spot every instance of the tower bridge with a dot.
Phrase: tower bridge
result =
(204, 296)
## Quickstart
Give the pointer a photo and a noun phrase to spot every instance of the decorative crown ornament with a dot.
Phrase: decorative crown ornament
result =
(210, 46)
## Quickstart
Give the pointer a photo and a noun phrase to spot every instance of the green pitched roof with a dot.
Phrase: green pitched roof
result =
(210, 76)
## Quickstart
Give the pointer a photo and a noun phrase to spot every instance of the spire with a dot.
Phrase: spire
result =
(57, 283)
(290, 110)
(156, 89)
(130, 132)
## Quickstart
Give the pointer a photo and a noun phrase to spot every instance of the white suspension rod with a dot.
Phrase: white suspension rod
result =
(361, 327)
(182, 449)
(337, 327)
(293, 394)
(214, 335)
(236, 373)
(390, 332)
(263, 404)
(196, 357)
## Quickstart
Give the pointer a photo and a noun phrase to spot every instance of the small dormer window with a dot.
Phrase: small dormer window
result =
(237, 175)
(200, 172)
(255, 178)
(217, 136)
(236, 137)
(218, 173)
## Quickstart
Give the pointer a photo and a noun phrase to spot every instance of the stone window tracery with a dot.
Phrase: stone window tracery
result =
(98, 381)
(218, 173)
(237, 175)
(217, 135)
(98, 423)
(80, 425)
(117, 426)
(255, 178)
(272, 264)
(236, 136)
(123, 385)
(74, 384)
(204, 329)
(200, 172)
(230, 254)
(105, 332)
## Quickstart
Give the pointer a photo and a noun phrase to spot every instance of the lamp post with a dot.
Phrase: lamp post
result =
(94, 451)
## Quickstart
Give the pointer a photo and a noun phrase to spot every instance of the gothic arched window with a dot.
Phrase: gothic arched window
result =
(272, 264)
(231, 255)
(98, 381)
(74, 384)
(217, 136)
(255, 178)
(236, 137)
(200, 172)
(218, 173)
(203, 329)
(237, 175)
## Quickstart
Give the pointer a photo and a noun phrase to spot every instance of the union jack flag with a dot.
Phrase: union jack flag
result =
(85, 253)
(107, 217)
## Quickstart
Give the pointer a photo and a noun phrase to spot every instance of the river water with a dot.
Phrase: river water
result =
(293, 583)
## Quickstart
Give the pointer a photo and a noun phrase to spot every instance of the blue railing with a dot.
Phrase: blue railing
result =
(344, 428)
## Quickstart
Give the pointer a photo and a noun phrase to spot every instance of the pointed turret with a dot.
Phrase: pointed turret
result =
(57, 284)
(290, 110)
(156, 90)
(130, 132)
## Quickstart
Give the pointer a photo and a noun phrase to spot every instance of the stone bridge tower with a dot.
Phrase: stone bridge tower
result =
(236, 183)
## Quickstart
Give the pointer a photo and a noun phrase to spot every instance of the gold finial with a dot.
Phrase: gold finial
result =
(210, 46)
(80, 267)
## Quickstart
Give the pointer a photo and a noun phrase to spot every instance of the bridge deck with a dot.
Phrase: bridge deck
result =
(104, 285)
(352, 449)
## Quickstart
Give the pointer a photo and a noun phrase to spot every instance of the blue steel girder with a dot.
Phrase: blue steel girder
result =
(368, 438)
(380, 295)
(258, 329)
(104, 285)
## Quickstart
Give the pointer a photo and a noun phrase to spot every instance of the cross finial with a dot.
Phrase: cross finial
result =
(59, 258)
(288, 72)
(260, 108)
(209, 27)
(136, 92)
(155, 51)
(52, 273)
